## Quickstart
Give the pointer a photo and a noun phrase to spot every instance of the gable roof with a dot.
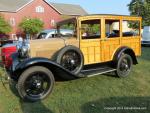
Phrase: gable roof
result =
(13, 5)
(63, 9)
(67, 9)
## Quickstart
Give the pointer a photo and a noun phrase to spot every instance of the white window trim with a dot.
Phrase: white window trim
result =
(12, 21)
(39, 9)
(53, 22)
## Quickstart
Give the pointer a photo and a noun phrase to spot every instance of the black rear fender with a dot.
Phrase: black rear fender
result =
(125, 50)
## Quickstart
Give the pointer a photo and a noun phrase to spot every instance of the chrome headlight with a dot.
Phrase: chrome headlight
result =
(24, 51)
(23, 48)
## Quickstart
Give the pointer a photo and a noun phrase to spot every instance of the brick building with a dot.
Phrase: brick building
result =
(50, 13)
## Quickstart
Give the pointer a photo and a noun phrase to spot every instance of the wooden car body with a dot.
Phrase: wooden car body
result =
(95, 49)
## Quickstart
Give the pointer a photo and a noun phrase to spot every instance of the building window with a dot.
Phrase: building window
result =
(53, 22)
(39, 9)
(12, 22)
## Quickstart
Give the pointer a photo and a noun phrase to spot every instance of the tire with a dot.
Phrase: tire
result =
(31, 83)
(71, 58)
(124, 65)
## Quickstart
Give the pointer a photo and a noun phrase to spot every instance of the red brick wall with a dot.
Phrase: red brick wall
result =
(30, 11)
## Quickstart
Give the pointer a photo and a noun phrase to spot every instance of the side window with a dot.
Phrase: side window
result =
(130, 28)
(112, 28)
(90, 29)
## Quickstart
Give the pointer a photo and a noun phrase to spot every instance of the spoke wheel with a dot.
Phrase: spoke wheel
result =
(35, 83)
(71, 60)
(124, 65)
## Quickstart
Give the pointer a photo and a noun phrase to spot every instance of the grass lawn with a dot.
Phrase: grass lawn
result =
(90, 95)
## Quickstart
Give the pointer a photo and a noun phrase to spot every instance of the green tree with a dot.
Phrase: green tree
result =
(31, 26)
(140, 8)
(4, 26)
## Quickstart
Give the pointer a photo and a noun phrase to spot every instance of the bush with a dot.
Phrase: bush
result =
(31, 26)
(4, 26)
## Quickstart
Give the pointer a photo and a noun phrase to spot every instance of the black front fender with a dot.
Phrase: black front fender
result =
(52, 66)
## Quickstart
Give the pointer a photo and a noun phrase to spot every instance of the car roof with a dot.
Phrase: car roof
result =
(108, 15)
(48, 30)
(97, 15)
(52, 30)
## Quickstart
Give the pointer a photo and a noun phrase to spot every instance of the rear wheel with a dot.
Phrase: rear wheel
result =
(35, 83)
(124, 65)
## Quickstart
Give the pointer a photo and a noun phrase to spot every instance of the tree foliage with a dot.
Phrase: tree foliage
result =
(31, 26)
(4, 26)
(141, 8)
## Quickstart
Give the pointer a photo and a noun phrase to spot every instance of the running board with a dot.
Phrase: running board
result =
(97, 71)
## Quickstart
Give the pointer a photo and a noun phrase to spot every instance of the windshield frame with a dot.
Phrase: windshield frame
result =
(67, 21)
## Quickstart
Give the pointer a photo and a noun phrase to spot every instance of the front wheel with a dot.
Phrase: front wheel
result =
(35, 83)
(124, 65)
(71, 58)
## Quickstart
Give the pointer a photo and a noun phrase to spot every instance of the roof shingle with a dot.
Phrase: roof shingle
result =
(68, 9)
(12, 5)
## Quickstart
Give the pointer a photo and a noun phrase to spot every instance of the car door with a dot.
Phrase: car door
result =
(111, 38)
(90, 40)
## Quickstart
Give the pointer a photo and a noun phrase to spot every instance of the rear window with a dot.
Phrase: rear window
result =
(131, 28)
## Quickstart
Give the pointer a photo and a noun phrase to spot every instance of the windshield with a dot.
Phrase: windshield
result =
(67, 28)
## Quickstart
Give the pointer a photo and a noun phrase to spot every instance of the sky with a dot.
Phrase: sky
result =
(100, 6)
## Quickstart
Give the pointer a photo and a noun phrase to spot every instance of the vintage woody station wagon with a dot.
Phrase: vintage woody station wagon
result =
(99, 44)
